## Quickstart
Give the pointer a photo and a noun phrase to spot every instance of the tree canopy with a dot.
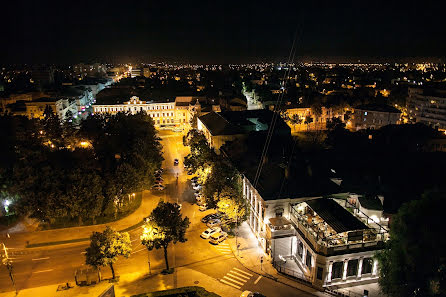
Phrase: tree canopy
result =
(414, 260)
(165, 225)
(105, 248)
(58, 172)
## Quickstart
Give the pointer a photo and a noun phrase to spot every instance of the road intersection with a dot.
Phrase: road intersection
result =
(34, 267)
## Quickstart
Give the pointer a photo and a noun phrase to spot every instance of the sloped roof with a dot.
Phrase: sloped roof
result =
(217, 125)
(378, 107)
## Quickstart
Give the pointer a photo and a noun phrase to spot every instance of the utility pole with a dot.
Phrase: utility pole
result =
(148, 256)
(8, 263)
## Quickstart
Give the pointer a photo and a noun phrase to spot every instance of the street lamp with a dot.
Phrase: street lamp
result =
(8, 263)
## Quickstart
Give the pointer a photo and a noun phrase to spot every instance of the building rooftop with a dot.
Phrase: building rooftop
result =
(240, 122)
(305, 176)
(45, 99)
(218, 125)
(378, 107)
(335, 215)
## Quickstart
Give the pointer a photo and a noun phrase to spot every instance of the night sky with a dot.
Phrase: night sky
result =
(219, 31)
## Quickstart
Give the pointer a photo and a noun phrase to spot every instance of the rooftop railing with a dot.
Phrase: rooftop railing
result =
(326, 240)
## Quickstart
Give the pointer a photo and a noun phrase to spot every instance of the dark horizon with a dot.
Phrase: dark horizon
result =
(73, 32)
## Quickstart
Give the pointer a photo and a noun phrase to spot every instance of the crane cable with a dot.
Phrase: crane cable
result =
(275, 114)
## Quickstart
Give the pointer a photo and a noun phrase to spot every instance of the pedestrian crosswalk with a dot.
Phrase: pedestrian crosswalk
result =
(236, 278)
(223, 248)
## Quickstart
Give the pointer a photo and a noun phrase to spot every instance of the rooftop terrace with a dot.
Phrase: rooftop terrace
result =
(332, 225)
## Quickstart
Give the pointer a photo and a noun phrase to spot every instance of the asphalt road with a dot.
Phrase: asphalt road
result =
(57, 264)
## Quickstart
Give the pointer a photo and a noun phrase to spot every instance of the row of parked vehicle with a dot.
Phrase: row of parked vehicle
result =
(197, 187)
(214, 232)
(159, 180)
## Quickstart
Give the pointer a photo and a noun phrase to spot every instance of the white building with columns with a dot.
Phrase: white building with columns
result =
(324, 240)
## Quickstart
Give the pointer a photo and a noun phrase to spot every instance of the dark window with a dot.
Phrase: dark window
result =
(367, 265)
(308, 260)
(319, 273)
(352, 267)
(337, 270)
(300, 248)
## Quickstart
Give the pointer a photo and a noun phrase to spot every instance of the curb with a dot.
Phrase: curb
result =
(77, 240)
(268, 275)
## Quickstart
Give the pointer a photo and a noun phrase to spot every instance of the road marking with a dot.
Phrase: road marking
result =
(40, 271)
(243, 271)
(241, 275)
(38, 259)
(233, 280)
(236, 277)
(257, 280)
(230, 284)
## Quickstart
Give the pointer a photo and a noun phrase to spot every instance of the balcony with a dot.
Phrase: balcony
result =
(280, 227)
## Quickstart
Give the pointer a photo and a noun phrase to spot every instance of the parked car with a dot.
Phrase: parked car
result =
(208, 232)
(197, 193)
(197, 187)
(218, 237)
(190, 172)
(159, 180)
(158, 187)
(251, 294)
(194, 179)
(160, 171)
(209, 217)
(203, 207)
(176, 162)
(213, 223)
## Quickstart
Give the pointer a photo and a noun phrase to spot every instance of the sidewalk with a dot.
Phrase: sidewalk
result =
(22, 239)
(249, 255)
(138, 283)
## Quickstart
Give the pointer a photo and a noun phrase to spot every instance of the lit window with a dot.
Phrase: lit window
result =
(365, 112)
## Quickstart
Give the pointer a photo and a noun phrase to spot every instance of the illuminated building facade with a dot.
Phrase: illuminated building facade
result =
(61, 107)
(317, 122)
(428, 106)
(374, 116)
(164, 114)
(326, 241)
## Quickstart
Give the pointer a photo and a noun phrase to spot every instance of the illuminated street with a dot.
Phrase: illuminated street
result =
(34, 267)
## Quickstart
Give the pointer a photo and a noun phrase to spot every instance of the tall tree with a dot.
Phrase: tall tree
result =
(170, 226)
(232, 205)
(106, 247)
(414, 260)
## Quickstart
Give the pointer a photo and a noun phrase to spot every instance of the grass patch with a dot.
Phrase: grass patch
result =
(33, 245)
(65, 222)
(180, 292)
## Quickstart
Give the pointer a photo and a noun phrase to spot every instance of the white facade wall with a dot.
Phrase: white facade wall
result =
(164, 113)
